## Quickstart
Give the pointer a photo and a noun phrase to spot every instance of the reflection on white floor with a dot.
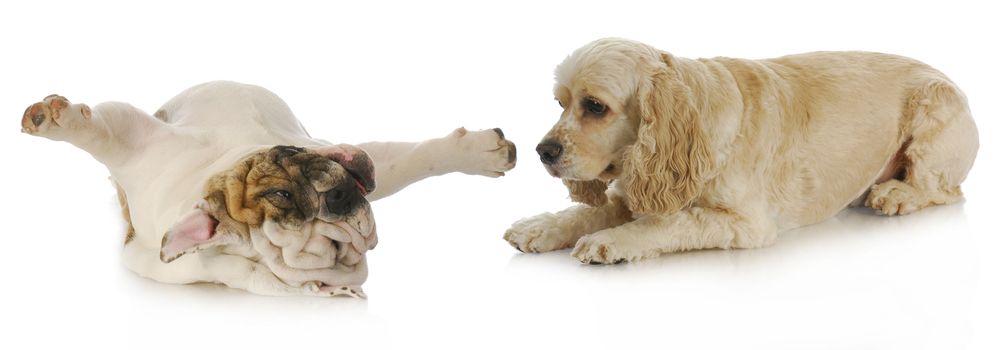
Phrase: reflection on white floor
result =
(442, 276)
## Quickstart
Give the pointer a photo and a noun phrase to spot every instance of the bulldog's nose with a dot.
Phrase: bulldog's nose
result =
(549, 151)
(343, 200)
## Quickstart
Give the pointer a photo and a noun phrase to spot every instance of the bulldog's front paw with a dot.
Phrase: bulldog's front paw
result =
(53, 112)
(608, 247)
(484, 152)
(538, 234)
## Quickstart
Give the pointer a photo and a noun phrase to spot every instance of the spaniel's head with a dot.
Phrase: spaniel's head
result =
(302, 212)
(627, 116)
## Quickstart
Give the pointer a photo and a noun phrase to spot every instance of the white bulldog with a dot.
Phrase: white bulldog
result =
(224, 185)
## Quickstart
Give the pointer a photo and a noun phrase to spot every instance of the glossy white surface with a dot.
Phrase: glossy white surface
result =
(441, 275)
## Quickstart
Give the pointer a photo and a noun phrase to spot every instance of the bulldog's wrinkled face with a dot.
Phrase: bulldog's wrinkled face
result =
(301, 212)
(291, 186)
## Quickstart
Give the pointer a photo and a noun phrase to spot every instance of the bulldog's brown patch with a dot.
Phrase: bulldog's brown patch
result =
(285, 184)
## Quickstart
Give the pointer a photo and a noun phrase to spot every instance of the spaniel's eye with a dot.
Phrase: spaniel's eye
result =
(561, 104)
(594, 107)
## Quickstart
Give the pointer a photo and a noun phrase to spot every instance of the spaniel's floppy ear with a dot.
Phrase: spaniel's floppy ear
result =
(665, 170)
(205, 226)
(592, 193)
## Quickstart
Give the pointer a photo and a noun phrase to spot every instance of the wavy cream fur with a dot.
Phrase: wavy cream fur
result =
(726, 153)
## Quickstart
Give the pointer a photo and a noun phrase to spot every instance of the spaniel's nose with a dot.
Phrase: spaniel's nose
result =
(549, 151)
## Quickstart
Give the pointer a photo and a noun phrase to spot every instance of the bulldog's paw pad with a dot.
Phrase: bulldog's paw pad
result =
(53, 111)
(333, 291)
(485, 152)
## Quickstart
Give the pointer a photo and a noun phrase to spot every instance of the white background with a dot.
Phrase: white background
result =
(442, 276)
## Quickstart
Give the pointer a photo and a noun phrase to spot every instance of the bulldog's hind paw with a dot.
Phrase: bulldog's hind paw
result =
(352, 291)
(484, 152)
(53, 112)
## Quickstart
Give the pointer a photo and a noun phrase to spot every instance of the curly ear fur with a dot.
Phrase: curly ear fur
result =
(665, 170)
(592, 193)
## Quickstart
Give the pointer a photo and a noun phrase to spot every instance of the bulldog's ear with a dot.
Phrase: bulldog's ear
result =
(198, 229)
(353, 159)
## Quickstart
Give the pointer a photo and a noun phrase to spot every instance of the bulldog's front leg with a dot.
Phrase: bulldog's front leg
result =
(399, 164)
(109, 132)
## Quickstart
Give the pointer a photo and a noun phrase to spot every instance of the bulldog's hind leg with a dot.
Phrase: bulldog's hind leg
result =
(938, 154)
(124, 204)
(399, 164)
(240, 273)
(110, 132)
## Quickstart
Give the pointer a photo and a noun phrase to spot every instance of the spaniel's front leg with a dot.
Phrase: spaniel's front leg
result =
(547, 232)
(689, 229)
(399, 164)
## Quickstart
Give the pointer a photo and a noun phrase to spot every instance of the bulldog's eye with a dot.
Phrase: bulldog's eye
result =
(280, 198)
(594, 107)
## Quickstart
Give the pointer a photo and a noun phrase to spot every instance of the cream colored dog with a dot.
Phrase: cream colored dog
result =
(224, 185)
(673, 154)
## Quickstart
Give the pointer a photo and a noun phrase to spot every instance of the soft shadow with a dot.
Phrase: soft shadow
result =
(219, 295)
(850, 231)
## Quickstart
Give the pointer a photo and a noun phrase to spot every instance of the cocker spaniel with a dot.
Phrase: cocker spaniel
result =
(672, 154)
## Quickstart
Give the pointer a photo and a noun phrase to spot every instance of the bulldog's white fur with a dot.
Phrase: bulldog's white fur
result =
(162, 164)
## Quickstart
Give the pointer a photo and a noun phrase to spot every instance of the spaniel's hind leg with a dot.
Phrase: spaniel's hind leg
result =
(940, 150)
(111, 132)
(399, 164)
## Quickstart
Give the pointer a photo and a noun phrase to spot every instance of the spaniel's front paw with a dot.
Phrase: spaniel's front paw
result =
(537, 234)
(607, 247)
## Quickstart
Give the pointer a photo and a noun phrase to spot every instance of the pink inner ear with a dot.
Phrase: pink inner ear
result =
(337, 152)
(355, 160)
(194, 229)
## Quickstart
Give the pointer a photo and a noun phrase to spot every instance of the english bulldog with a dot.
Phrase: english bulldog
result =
(223, 184)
